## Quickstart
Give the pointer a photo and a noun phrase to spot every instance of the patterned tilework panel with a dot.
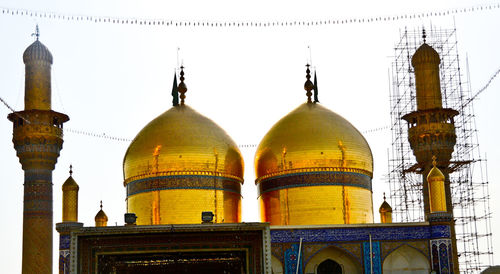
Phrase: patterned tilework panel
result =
(373, 259)
(291, 260)
(359, 234)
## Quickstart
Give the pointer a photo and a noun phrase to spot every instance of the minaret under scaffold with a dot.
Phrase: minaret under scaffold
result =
(431, 132)
(38, 139)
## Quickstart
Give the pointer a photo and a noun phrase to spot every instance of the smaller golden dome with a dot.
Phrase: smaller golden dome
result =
(425, 54)
(37, 51)
(70, 183)
(101, 219)
(435, 175)
(385, 207)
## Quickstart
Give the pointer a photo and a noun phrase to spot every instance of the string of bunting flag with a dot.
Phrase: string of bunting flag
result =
(241, 23)
(97, 135)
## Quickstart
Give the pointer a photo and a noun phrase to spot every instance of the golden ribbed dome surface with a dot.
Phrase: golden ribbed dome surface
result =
(425, 54)
(37, 51)
(179, 165)
(314, 168)
(312, 136)
(182, 141)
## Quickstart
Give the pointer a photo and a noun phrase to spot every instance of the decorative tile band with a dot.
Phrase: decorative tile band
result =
(315, 179)
(183, 182)
(359, 234)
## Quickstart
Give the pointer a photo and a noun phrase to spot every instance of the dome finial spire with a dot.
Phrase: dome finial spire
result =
(423, 34)
(101, 204)
(36, 33)
(384, 196)
(182, 86)
(308, 85)
(434, 160)
(70, 169)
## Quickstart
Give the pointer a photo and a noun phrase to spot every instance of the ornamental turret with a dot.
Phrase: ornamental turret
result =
(101, 219)
(38, 139)
(385, 211)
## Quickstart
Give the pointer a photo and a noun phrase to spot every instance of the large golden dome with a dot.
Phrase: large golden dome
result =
(314, 167)
(312, 136)
(180, 165)
(182, 142)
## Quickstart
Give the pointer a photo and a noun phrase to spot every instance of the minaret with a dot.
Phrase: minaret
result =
(69, 221)
(38, 139)
(431, 128)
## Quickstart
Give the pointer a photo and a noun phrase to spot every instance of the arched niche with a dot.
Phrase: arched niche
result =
(329, 266)
(276, 265)
(342, 258)
(406, 259)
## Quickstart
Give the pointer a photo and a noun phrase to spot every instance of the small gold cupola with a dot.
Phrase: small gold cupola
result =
(101, 219)
(70, 198)
(437, 197)
(385, 211)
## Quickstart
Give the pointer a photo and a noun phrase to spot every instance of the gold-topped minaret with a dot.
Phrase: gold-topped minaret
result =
(70, 198)
(437, 197)
(431, 129)
(38, 139)
(385, 211)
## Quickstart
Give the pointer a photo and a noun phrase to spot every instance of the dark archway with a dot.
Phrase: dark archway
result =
(329, 267)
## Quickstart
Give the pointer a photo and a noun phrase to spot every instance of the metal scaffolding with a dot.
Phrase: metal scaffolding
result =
(468, 177)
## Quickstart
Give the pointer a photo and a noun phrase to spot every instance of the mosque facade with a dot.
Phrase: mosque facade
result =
(183, 177)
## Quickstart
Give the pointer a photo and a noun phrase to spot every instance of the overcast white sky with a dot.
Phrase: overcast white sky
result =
(114, 79)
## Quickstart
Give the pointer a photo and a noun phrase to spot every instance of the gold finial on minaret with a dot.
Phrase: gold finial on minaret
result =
(70, 198)
(385, 211)
(182, 86)
(308, 85)
(101, 219)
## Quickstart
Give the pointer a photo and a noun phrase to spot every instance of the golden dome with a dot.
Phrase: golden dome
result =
(70, 183)
(37, 51)
(385, 207)
(314, 167)
(312, 137)
(425, 54)
(101, 219)
(182, 142)
(180, 165)
(435, 175)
